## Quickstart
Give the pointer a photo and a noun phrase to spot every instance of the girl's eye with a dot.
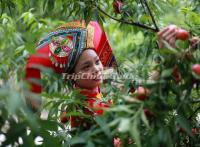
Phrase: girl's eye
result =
(97, 62)
(85, 67)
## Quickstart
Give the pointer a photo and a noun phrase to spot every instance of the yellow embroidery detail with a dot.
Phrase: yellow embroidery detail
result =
(90, 37)
(99, 95)
(74, 24)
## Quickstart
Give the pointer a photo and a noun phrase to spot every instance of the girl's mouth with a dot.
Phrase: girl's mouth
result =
(97, 78)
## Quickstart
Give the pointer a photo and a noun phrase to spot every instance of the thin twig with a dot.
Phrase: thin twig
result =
(144, 8)
(126, 22)
(196, 101)
(195, 111)
(152, 17)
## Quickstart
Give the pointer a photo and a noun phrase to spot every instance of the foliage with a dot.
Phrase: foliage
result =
(174, 104)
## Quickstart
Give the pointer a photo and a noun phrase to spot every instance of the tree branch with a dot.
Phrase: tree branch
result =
(126, 22)
(195, 111)
(152, 17)
(196, 101)
(144, 8)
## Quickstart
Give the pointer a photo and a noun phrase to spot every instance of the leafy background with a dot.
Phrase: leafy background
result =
(174, 106)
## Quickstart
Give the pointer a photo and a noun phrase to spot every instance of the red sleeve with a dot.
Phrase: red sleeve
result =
(33, 67)
(30, 75)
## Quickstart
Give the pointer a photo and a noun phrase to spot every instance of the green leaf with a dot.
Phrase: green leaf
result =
(139, 38)
(48, 139)
(103, 125)
(48, 125)
(124, 125)
(136, 133)
(77, 114)
(121, 108)
(166, 73)
(145, 18)
(182, 44)
(28, 140)
(77, 140)
(144, 119)
(184, 124)
(168, 50)
(90, 144)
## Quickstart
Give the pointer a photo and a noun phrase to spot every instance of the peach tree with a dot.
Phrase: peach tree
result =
(157, 104)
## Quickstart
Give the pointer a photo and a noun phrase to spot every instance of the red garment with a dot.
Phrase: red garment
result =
(94, 102)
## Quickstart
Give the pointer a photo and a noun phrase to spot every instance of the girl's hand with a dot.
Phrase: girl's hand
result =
(168, 34)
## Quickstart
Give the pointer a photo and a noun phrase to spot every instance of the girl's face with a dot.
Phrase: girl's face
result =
(90, 68)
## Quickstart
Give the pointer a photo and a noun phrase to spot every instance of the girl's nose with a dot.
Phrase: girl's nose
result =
(95, 69)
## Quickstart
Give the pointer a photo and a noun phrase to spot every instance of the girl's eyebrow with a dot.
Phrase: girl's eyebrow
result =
(88, 62)
(85, 63)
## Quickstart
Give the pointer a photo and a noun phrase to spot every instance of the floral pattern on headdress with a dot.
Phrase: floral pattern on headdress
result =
(60, 47)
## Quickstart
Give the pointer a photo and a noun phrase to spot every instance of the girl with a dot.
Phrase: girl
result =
(85, 51)
(73, 48)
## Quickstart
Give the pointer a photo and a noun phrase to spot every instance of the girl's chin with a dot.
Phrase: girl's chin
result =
(95, 82)
(88, 84)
